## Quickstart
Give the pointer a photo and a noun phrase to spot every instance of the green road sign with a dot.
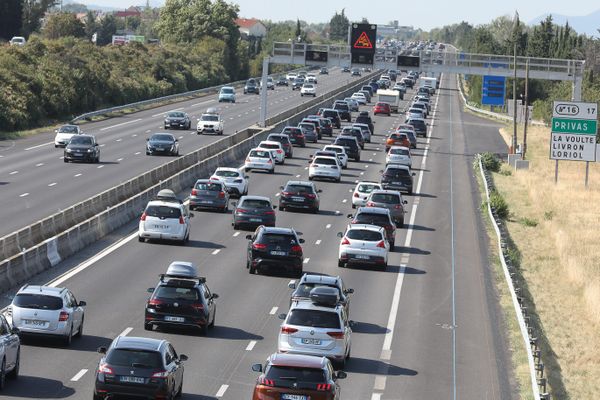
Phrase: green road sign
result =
(574, 126)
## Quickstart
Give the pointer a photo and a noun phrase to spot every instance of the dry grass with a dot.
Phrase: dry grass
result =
(561, 258)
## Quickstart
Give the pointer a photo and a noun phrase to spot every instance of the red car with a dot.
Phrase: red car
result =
(382, 108)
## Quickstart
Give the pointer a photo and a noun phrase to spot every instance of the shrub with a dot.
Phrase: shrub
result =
(498, 204)
(490, 162)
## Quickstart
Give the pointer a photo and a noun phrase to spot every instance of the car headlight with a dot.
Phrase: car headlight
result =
(68, 150)
(90, 150)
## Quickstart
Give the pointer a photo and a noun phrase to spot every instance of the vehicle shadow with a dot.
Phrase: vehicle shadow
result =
(85, 343)
(231, 333)
(198, 244)
(366, 327)
(424, 195)
(414, 250)
(419, 228)
(4, 183)
(34, 387)
(328, 213)
(191, 396)
(108, 162)
(376, 367)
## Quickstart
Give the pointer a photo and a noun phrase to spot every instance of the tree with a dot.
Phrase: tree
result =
(33, 11)
(540, 43)
(338, 27)
(63, 24)
(91, 26)
(107, 28)
(11, 18)
(298, 32)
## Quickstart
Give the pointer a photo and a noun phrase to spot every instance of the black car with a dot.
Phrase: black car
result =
(324, 71)
(181, 299)
(139, 367)
(177, 119)
(297, 84)
(342, 107)
(276, 249)
(251, 86)
(346, 69)
(295, 134)
(355, 132)
(419, 125)
(162, 143)
(355, 72)
(397, 177)
(350, 144)
(326, 126)
(281, 81)
(82, 148)
(300, 195)
(377, 216)
(333, 115)
(285, 142)
(368, 89)
(365, 118)
(252, 211)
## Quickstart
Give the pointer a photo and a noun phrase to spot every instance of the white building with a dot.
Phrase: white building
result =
(251, 27)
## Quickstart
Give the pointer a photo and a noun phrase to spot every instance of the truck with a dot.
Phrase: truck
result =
(392, 97)
(428, 82)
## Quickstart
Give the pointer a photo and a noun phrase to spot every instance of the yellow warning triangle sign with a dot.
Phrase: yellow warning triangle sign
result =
(363, 42)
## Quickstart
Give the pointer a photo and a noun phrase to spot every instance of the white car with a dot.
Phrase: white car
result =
(352, 103)
(311, 78)
(362, 192)
(341, 153)
(276, 148)
(291, 76)
(363, 245)
(65, 133)
(234, 180)
(308, 89)
(360, 98)
(18, 41)
(326, 168)
(366, 131)
(165, 218)
(399, 155)
(210, 121)
(270, 83)
(260, 159)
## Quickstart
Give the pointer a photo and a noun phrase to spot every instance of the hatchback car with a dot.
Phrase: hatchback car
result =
(47, 311)
(252, 211)
(65, 133)
(325, 125)
(414, 113)
(162, 143)
(297, 377)
(342, 108)
(275, 148)
(324, 71)
(382, 108)
(360, 98)
(299, 195)
(285, 143)
(310, 281)
(181, 299)
(355, 72)
(363, 245)
(295, 134)
(308, 89)
(82, 148)
(350, 144)
(251, 86)
(352, 103)
(356, 132)
(333, 115)
(396, 139)
(397, 177)
(139, 367)
(399, 155)
(340, 152)
(227, 93)
(364, 118)
(390, 199)
(315, 121)
(362, 191)
(376, 216)
(422, 106)
(210, 194)
(309, 131)
(178, 120)
(235, 181)
(412, 138)
(281, 81)
(165, 219)
(277, 249)
(325, 168)
(10, 351)
(419, 125)
(260, 159)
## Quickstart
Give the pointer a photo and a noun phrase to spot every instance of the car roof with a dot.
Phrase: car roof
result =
(335, 146)
(227, 169)
(139, 343)
(255, 198)
(297, 360)
(327, 157)
(372, 210)
(39, 289)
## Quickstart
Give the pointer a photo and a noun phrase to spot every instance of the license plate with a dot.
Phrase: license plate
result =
(362, 257)
(298, 198)
(397, 183)
(278, 253)
(78, 154)
(161, 227)
(311, 341)
(286, 396)
(132, 379)
(34, 322)
(255, 220)
(206, 202)
(174, 319)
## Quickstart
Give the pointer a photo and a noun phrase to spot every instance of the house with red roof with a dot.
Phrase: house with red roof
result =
(251, 27)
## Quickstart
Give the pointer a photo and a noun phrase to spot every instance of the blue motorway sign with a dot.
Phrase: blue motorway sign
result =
(493, 90)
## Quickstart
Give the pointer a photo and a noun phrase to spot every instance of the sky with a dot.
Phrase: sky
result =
(425, 14)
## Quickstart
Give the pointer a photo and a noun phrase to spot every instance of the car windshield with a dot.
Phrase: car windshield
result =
(68, 129)
(314, 318)
(163, 212)
(278, 138)
(212, 186)
(372, 219)
(299, 374)
(325, 161)
(364, 235)
(255, 203)
(81, 140)
(307, 126)
(134, 358)
(397, 136)
(269, 146)
(345, 142)
(227, 174)
(162, 138)
(176, 115)
(291, 131)
(209, 117)
(176, 293)
(227, 90)
(367, 187)
(386, 198)
(401, 152)
(298, 189)
(260, 154)
(278, 239)
(308, 86)
(38, 301)
(336, 149)
(398, 172)
(304, 289)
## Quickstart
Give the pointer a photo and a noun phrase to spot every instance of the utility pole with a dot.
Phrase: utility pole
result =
(526, 101)
(514, 138)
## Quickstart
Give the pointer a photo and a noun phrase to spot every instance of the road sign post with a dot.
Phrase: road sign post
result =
(493, 90)
(363, 42)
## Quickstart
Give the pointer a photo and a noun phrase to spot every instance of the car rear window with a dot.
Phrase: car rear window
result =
(368, 187)
(387, 198)
(364, 234)
(298, 189)
(287, 131)
(227, 174)
(307, 125)
(335, 149)
(269, 146)
(253, 203)
(176, 293)
(372, 219)
(163, 212)
(278, 138)
(396, 172)
(346, 142)
(298, 374)
(134, 358)
(325, 161)
(260, 154)
(211, 186)
(278, 239)
(402, 152)
(314, 318)
(38, 301)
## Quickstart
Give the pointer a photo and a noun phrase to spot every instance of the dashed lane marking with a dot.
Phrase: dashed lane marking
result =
(126, 331)
(222, 390)
(121, 124)
(236, 234)
(79, 375)
(77, 175)
(38, 146)
(251, 345)
(52, 184)
(100, 166)
(39, 164)
(327, 226)
(217, 251)
(14, 172)
(318, 242)
(24, 195)
(273, 310)
(306, 260)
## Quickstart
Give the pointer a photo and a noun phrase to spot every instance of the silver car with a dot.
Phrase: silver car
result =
(47, 311)
(392, 200)
(10, 346)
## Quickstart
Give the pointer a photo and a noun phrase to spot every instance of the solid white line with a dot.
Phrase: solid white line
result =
(251, 345)
(121, 124)
(236, 234)
(39, 145)
(14, 172)
(318, 242)
(273, 310)
(79, 375)
(126, 331)
(100, 166)
(222, 390)
(199, 104)
(217, 251)
(24, 195)
(306, 260)
(139, 152)
(76, 175)
(39, 165)
(52, 184)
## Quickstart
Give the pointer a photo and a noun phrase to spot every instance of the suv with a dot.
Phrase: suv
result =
(47, 311)
(210, 121)
(275, 248)
(253, 211)
(295, 134)
(376, 216)
(10, 351)
(397, 177)
(285, 143)
(181, 298)
(251, 86)
(136, 366)
(355, 132)
(236, 183)
(227, 93)
(299, 194)
(419, 125)
(309, 281)
(350, 144)
(333, 115)
(165, 218)
(365, 118)
(297, 83)
(390, 199)
(342, 107)
(82, 148)
(295, 376)
(177, 119)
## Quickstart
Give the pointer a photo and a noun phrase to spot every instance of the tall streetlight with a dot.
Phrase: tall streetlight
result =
(515, 32)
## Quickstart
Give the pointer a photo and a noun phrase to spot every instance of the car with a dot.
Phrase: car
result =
(251, 86)
(346, 69)
(366, 93)
(422, 106)
(311, 78)
(308, 89)
(397, 177)
(419, 125)
(412, 138)
(162, 143)
(390, 199)
(315, 120)
(252, 211)
(139, 367)
(325, 168)
(276, 149)
(326, 153)
(82, 148)
(297, 83)
(360, 98)
(295, 134)
(260, 159)
(177, 119)
(236, 182)
(306, 377)
(401, 88)
(376, 216)
(363, 245)
(181, 299)
(310, 281)
(45, 311)
(309, 131)
(325, 125)
(299, 195)
(362, 191)
(408, 82)
(382, 108)
(317, 327)
(10, 351)
(399, 155)
(324, 71)
(333, 115)
(356, 132)
(282, 81)
(352, 103)
(270, 83)
(415, 113)
(285, 143)
(368, 89)
(355, 72)
(65, 133)
(396, 139)
(17, 41)
(350, 144)
(340, 152)
(211, 194)
(227, 93)
(278, 249)
(210, 121)
(364, 118)
(342, 108)
(366, 131)
(165, 218)
(291, 76)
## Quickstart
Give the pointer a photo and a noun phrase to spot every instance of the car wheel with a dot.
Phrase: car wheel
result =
(401, 224)
(225, 209)
(80, 330)
(14, 374)
(204, 330)
(272, 171)
(236, 226)
(384, 267)
(180, 390)
(212, 323)
(315, 210)
(253, 270)
(341, 264)
(281, 208)
(353, 205)
(310, 178)
(147, 326)
(141, 239)
(392, 245)
(69, 338)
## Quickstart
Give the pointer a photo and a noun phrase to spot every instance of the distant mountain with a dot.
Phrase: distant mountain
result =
(588, 24)
(89, 4)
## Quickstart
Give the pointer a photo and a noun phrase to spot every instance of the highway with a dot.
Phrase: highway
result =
(427, 328)
(37, 183)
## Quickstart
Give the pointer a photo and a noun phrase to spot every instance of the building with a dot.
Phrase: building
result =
(251, 27)
(130, 12)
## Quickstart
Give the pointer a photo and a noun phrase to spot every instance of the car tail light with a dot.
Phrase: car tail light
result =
(64, 316)
(103, 368)
(279, 151)
(311, 196)
(214, 178)
(155, 302)
(198, 307)
(370, 204)
(241, 210)
(143, 217)
(323, 387)
(286, 194)
(269, 212)
(288, 330)
(194, 192)
(259, 246)
(296, 249)
(345, 241)
(397, 206)
(160, 374)
(238, 181)
(356, 194)
(181, 221)
(270, 161)
(336, 335)
(266, 382)
(381, 244)
(221, 195)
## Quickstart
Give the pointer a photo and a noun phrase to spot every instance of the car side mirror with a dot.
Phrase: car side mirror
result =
(257, 367)
(215, 296)
(234, 204)
(349, 216)
(96, 145)
(341, 375)
(292, 285)
(249, 237)
(301, 240)
(177, 140)
(405, 202)
(191, 215)
(413, 174)
(274, 207)
(82, 304)
(281, 316)
(349, 291)
(281, 187)
(320, 191)
(15, 330)
(340, 234)
(150, 290)
(101, 350)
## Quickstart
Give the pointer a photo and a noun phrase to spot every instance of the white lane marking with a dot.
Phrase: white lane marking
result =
(79, 375)
(39, 145)
(298, 176)
(222, 390)
(305, 167)
(14, 172)
(217, 251)
(119, 159)
(119, 140)
(356, 181)
(236, 234)
(39, 165)
(126, 331)
(327, 226)
(374, 154)
(136, 153)
(61, 157)
(158, 115)
(135, 134)
(251, 345)
(148, 131)
(366, 166)
(345, 200)
(199, 104)
(273, 310)
(100, 166)
(370, 159)
(121, 124)
(376, 396)
(52, 184)
(306, 260)
(380, 381)
(362, 173)
(337, 211)
(276, 194)
(24, 195)
(77, 175)
(102, 145)
(318, 242)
